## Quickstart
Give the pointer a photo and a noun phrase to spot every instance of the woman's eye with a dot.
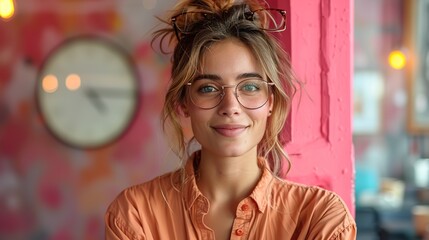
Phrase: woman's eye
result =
(207, 89)
(249, 87)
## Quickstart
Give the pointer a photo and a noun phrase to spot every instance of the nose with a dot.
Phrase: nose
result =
(229, 104)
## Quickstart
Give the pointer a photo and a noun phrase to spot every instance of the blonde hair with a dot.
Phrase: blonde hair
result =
(189, 49)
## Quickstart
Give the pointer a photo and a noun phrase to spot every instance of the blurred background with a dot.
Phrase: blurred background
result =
(391, 118)
(52, 189)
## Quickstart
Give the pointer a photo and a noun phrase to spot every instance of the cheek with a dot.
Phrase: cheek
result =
(260, 117)
(198, 118)
(261, 113)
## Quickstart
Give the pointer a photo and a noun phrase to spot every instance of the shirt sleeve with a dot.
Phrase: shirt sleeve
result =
(333, 221)
(346, 227)
(122, 220)
(348, 233)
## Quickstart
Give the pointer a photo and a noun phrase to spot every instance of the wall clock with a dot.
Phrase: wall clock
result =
(87, 92)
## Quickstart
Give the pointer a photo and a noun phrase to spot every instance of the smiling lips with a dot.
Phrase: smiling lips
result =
(230, 130)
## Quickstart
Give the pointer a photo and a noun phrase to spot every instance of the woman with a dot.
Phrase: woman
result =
(234, 83)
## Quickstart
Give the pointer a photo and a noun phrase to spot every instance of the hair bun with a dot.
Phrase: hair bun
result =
(215, 5)
(209, 6)
(204, 5)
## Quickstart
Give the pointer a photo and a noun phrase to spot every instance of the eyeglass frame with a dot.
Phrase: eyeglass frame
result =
(247, 15)
(223, 94)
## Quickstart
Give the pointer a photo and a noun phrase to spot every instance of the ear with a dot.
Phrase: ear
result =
(270, 104)
(183, 110)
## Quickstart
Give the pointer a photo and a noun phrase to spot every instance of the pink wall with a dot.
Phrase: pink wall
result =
(320, 43)
(49, 190)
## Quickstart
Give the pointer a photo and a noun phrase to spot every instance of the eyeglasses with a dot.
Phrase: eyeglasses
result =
(250, 93)
(270, 20)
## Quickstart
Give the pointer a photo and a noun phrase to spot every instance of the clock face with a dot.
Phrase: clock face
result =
(87, 92)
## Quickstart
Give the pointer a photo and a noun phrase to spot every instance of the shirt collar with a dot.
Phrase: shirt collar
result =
(190, 188)
(260, 193)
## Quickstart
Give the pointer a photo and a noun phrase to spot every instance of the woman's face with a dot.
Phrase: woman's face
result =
(229, 129)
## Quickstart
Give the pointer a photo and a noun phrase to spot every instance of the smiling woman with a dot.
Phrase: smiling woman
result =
(234, 122)
(233, 81)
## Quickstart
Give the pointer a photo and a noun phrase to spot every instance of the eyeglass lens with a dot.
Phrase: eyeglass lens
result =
(251, 94)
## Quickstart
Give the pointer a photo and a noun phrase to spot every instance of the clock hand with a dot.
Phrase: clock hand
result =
(113, 92)
(95, 99)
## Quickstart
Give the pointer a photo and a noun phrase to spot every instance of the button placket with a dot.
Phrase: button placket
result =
(242, 221)
(244, 210)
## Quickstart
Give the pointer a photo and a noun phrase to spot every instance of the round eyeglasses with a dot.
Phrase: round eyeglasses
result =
(250, 93)
(269, 19)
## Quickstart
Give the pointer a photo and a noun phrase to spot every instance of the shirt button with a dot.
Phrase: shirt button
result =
(244, 207)
(239, 232)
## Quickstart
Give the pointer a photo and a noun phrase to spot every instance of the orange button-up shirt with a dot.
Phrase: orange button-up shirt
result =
(172, 207)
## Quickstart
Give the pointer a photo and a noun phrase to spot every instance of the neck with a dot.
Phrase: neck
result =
(228, 178)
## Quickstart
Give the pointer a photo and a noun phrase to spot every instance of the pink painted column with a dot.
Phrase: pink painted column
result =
(319, 40)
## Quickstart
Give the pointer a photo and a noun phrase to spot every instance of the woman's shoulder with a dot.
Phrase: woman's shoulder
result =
(319, 208)
(136, 207)
(300, 190)
(148, 191)
(308, 197)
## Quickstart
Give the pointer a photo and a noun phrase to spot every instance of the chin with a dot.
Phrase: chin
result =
(229, 152)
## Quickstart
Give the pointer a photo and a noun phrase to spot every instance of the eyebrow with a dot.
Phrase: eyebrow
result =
(215, 77)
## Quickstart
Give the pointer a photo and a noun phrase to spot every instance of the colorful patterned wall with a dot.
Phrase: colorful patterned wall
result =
(49, 190)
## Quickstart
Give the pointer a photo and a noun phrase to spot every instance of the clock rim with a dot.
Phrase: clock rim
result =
(129, 61)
